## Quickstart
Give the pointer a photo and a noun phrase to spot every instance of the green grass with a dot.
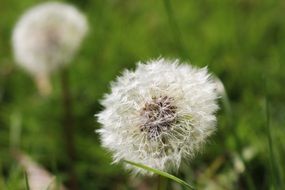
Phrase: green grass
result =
(240, 41)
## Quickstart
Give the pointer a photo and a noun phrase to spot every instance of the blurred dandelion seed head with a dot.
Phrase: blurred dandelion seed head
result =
(159, 114)
(47, 36)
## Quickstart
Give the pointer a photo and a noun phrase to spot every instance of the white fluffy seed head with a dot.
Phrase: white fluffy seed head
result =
(47, 36)
(159, 114)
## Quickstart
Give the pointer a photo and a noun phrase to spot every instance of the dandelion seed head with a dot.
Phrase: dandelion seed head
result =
(159, 114)
(47, 36)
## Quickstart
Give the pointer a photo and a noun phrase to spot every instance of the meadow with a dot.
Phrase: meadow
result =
(242, 42)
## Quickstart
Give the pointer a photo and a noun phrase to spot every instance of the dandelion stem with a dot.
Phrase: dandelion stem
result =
(161, 183)
(68, 129)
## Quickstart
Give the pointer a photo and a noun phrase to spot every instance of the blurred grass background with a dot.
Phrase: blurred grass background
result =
(241, 41)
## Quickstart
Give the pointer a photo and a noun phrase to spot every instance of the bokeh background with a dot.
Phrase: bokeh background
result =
(241, 41)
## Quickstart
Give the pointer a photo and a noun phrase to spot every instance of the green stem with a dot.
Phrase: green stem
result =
(161, 183)
(275, 178)
(68, 129)
(26, 181)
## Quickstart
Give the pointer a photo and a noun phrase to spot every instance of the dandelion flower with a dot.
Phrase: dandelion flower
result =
(47, 36)
(159, 114)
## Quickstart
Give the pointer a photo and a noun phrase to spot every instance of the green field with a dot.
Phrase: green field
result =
(241, 41)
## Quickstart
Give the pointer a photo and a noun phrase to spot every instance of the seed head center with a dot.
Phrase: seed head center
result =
(158, 115)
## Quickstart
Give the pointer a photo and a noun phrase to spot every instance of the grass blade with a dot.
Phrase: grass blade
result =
(27, 181)
(275, 178)
(161, 173)
(174, 27)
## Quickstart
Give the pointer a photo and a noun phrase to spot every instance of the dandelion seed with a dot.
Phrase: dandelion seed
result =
(159, 114)
(46, 38)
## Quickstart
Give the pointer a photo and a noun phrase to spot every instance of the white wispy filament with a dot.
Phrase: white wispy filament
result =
(159, 114)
